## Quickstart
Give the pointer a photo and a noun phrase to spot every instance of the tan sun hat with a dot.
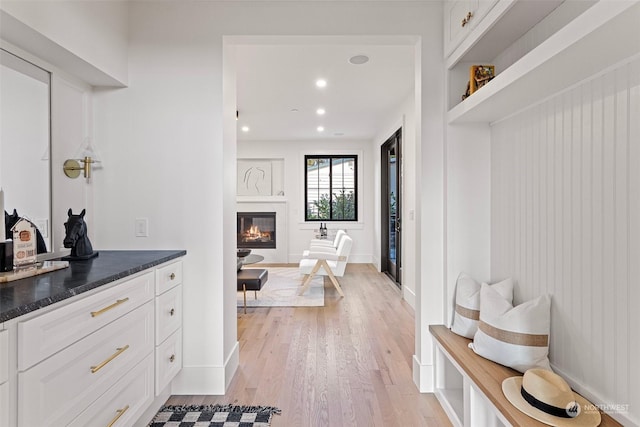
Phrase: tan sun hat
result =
(546, 396)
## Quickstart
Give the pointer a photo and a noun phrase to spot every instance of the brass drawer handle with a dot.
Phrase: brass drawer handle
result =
(109, 307)
(172, 312)
(119, 413)
(172, 358)
(466, 20)
(172, 276)
(118, 352)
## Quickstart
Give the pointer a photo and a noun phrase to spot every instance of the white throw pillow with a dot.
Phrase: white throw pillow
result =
(466, 308)
(518, 336)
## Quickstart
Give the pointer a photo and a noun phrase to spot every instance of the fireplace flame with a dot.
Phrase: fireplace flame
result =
(253, 233)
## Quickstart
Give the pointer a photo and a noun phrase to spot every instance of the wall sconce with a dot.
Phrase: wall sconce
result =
(72, 167)
(87, 156)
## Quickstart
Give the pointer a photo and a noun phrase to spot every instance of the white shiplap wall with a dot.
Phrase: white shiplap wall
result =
(565, 219)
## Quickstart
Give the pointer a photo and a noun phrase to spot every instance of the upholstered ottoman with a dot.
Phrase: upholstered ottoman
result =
(251, 279)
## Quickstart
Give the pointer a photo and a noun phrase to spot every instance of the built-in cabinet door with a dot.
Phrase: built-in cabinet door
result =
(460, 17)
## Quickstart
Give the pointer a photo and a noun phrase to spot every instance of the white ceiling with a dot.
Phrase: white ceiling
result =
(274, 79)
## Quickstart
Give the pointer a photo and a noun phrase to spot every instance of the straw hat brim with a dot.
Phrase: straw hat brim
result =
(589, 415)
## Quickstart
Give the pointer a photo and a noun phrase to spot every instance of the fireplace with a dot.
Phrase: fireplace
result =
(256, 230)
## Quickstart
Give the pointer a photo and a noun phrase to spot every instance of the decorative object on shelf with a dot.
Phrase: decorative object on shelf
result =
(12, 219)
(480, 75)
(76, 238)
(546, 397)
(24, 243)
(88, 156)
(467, 92)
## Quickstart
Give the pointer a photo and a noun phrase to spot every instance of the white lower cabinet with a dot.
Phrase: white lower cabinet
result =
(168, 360)
(95, 360)
(57, 389)
(123, 403)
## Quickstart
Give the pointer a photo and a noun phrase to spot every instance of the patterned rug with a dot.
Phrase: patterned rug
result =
(214, 416)
(281, 290)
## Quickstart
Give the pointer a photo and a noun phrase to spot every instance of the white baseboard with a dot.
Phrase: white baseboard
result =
(409, 296)
(207, 379)
(423, 376)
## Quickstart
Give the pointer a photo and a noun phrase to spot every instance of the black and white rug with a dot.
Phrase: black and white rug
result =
(214, 416)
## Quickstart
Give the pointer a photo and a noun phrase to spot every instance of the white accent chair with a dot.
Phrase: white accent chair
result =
(324, 244)
(326, 263)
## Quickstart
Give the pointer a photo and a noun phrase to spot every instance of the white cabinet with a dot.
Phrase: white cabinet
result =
(460, 17)
(57, 389)
(4, 377)
(168, 324)
(95, 359)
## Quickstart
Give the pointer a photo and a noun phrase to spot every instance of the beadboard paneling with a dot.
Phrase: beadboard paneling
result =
(565, 184)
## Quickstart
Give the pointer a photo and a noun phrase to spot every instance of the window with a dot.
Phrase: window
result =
(331, 190)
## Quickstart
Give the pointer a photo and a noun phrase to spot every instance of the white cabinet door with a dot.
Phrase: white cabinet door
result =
(460, 17)
(168, 360)
(123, 403)
(4, 404)
(168, 313)
(56, 390)
(4, 356)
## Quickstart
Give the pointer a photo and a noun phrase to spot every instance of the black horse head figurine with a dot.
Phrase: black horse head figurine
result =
(76, 238)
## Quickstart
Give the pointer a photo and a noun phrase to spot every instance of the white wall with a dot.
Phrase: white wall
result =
(403, 117)
(299, 233)
(566, 221)
(94, 31)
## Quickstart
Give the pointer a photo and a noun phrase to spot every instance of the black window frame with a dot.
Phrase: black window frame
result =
(331, 157)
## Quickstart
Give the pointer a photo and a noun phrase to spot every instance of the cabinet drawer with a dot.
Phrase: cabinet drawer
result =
(168, 360)
(42, 336)
(58, 389)
(4, 356)
(168, 313)
(126, 400)
(168, 276)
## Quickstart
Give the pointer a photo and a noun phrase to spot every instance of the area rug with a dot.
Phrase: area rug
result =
(214, 416)
(281, 290)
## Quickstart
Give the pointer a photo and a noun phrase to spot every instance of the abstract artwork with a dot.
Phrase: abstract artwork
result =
(254, 178)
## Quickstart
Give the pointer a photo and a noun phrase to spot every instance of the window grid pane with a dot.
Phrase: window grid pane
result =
(330, 184)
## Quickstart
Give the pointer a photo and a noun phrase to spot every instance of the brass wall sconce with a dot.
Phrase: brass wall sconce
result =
(72, 168)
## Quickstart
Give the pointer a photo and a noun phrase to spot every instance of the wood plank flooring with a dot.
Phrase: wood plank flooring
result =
(348, 363)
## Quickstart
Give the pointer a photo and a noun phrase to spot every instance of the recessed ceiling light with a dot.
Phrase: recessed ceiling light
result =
(320, 111)
(294, 110)
(321, 83)
(245, 128)
(359, 59)
(320, 128)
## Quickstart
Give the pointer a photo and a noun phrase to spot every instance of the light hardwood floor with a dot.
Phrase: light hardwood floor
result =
(348, 363)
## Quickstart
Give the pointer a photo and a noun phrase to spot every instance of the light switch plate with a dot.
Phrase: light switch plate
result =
(142, 227)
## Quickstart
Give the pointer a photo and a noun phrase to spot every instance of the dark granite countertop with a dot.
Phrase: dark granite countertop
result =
(26, 295)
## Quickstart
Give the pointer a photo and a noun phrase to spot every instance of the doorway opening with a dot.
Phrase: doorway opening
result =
(391, 208)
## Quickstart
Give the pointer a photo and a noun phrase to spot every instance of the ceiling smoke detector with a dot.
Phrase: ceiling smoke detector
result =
(359, 59)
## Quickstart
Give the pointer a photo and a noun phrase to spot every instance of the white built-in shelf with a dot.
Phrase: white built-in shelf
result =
(261, 199)
(452, 401)
(604, 35)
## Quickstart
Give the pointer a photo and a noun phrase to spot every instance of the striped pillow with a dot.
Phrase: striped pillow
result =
(517, 337)
(466, 310)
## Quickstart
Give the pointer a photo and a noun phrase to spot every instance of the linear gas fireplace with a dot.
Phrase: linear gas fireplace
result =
(256, 230)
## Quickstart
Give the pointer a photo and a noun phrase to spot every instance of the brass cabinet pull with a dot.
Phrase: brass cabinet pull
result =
(172, 312)
(118, 352)
(466, 20)
(109, 307)
(119, 413)
(172, 276)
(172, 358)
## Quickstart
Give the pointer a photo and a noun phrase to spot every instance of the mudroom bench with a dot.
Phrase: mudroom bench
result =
(469, 387)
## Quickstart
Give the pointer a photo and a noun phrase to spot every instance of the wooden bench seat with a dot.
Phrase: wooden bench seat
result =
(484, 376)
